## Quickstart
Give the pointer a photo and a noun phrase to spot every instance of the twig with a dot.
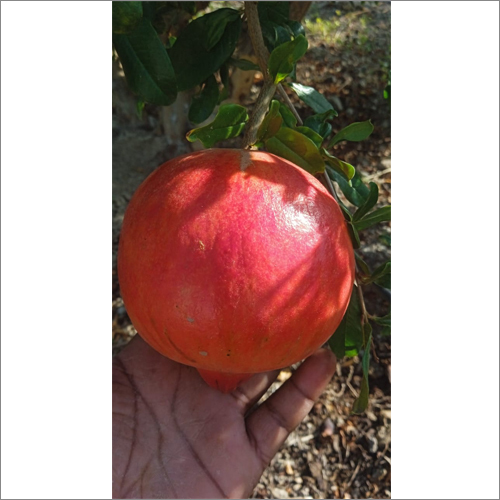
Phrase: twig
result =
(384, 451)
(364, 318)
(362, 304)
(343, 385)
(289, 103)
(374, 353)
(377, 175)
(355, 473)
(330, 187)
(364, 313)
(351, 388)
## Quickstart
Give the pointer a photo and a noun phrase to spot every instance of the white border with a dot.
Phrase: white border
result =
(445, 165)
(56, 249)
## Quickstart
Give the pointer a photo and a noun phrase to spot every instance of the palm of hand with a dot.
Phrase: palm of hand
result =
(175, 437)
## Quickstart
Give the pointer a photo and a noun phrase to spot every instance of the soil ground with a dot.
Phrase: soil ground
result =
(332, 454)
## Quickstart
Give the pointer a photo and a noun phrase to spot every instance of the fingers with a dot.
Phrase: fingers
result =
(270, 424)
(250, 391)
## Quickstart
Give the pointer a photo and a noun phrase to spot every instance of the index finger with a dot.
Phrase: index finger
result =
(272, 422)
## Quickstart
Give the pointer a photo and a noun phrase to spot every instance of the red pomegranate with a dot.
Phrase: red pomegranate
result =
(234, 262)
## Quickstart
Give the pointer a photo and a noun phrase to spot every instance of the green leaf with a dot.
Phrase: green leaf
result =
(361, 403)
(378, 274)
(203, 105)
(387, 90)
(381, 276)
(345, 211)
(381, 271)
(342, 167)
(283, 58)
(323, 129)
(189, 7)
(356, 193)
(271, 123)
(224, 94)
(296, 147)
(268, 32)
(139, 108)
(288, 116)
(295, 27)
(244, 64)
(367, 334)
(192, 62)
(216, 24)
(283, 35)
(146, 65)
(229, 122)
(383, 321)
(385, 238)
(272, 15)
(362, 264)
(275, 11)
(319, 123)
(314, 136)
(337, 340)
(224, 77)
(276, 26)
(224, 74)
(353, 233)
(354, 132)
(348, 337)
(150, 9)
(381, 215)
(384, 281)
(313, 98)
(368, 204)
(126, 16)
(170, 42)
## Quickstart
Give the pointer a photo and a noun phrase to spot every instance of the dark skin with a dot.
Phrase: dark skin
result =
(176, 437)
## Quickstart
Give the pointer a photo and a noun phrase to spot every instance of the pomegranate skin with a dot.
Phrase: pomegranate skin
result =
(234, 262)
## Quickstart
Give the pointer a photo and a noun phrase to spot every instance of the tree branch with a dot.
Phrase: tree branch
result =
(256, 37)
(268, 90)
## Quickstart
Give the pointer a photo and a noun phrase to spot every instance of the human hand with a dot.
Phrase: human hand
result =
(176, 437)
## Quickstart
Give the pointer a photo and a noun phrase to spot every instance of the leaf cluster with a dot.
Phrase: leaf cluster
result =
(157, 66)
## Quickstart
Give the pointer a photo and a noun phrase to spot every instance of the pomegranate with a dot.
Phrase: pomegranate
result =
(234, 262)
